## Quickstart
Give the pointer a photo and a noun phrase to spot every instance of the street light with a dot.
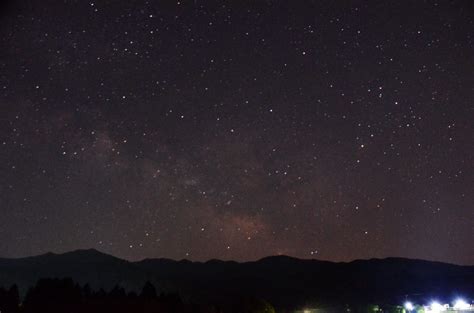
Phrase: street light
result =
(436, 307)
(408, 306)
(460, 304)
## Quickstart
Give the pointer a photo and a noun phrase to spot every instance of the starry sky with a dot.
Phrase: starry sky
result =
(334, 130)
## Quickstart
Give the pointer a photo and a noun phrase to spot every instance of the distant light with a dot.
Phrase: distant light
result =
(409, 306)
(436, 307)
(460, 304)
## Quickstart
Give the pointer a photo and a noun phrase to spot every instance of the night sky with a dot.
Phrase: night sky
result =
(332, 130)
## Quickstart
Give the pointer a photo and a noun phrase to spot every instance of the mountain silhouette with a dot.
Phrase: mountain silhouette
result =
(282, 280)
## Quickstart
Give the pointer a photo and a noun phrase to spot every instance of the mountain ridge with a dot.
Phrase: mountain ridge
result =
(282, 280)
(94, 252)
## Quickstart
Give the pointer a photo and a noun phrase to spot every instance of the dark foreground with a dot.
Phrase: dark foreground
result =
(99, 282)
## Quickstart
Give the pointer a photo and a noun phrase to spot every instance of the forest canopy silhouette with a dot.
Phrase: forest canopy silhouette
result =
(64, 295)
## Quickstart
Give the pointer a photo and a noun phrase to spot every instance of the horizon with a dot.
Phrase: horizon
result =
(231, 260)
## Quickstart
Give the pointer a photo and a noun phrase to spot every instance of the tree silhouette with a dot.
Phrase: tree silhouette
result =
(65, 296)
(148, 291)
(9, 300)
(54, 296)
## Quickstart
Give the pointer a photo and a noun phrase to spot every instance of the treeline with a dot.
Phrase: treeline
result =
(65, 296)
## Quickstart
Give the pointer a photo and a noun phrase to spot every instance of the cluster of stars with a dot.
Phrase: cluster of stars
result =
(194, 130)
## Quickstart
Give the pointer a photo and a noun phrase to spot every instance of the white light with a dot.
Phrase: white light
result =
(460, 304)
(436, 307)
(409, 306)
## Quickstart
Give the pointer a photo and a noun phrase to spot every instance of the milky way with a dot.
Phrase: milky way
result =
(317, 129)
